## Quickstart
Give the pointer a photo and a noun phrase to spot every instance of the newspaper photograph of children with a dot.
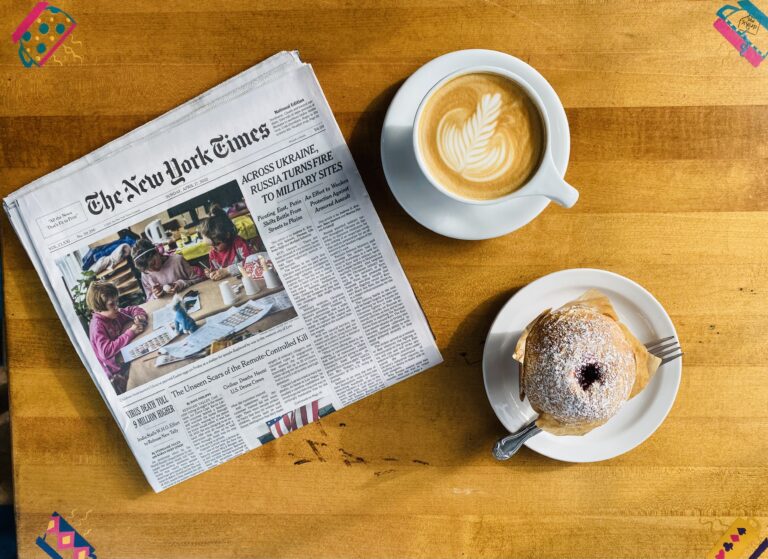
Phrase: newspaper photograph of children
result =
(157, 295)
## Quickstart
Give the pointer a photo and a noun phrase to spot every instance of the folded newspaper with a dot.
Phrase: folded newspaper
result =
(240, 223)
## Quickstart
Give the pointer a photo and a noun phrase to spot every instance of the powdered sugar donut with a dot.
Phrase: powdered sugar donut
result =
(579, 367)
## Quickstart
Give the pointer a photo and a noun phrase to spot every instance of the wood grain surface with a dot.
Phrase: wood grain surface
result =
(670, 152)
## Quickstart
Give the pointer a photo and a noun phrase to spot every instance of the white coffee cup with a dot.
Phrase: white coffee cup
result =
(545, 180)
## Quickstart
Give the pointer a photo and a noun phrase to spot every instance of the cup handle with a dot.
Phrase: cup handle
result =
(563, 194)
(552, 185)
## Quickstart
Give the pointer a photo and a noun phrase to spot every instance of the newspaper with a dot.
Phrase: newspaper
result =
(247, 198)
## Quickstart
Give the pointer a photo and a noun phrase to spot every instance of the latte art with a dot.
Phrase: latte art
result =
(472, 149)
(480, 136)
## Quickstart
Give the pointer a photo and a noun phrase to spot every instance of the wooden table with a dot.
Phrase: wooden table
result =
(144, 370)
(668, 135)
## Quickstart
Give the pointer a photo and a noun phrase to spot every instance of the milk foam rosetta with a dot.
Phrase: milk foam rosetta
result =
(480, 136)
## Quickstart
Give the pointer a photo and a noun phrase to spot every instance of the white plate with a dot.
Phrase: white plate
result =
(424, 203)
(636, 420)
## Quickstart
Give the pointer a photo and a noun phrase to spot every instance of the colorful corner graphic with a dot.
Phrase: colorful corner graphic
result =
(741, 26)
(738, 539)
(42, 32)
(62, 541)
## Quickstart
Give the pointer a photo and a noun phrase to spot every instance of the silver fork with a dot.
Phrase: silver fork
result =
(667, 349)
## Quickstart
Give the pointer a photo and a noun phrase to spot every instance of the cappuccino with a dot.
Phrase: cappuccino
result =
(480, 136)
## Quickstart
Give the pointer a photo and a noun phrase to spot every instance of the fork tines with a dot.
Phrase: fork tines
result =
(666, 349)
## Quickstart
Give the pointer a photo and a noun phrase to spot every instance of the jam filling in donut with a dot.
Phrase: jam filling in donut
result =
(589, 374)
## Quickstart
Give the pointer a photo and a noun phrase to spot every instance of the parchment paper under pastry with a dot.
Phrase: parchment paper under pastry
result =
(646, 364)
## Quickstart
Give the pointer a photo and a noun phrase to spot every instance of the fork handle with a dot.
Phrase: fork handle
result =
(507, 446)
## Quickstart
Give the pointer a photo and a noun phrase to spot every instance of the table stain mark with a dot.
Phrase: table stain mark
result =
(464, 355)
(420, 462)
(389, 459)
(381, 473)
(350, 458)
(313, 446)
(302, 461)
(320, 426)
(342, 424)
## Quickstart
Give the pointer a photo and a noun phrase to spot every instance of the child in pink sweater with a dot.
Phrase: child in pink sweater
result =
(111, 329)
(228, 249)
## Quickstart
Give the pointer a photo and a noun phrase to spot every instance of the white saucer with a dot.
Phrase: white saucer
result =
(422, 201)
(637, 419)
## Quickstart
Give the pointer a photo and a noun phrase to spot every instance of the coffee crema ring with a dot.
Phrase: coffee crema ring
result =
(480, 136)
